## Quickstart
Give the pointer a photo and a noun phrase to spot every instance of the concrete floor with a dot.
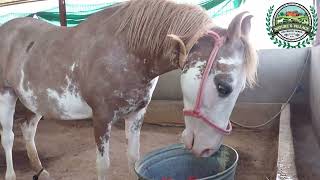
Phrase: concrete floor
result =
(67, 149)
(306, 146)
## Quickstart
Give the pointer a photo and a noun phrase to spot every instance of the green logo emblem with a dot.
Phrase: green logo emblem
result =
(292, 25)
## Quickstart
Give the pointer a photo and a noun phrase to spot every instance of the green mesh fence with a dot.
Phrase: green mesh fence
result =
(76, 13)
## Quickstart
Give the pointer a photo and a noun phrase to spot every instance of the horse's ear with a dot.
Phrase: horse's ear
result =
(235, 27)
(246, 25)
(182, 50)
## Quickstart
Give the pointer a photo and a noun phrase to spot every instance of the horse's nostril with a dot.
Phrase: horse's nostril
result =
(192, 143)
(207, 152)
(188, 139)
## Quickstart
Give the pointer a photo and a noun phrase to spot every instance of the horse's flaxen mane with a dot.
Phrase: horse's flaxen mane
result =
(251, 62)
(148, 22)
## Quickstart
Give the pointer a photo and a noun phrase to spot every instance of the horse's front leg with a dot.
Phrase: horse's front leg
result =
(133, 126)
(102, 130)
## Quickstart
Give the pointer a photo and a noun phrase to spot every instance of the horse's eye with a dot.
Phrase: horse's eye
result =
(224, 90)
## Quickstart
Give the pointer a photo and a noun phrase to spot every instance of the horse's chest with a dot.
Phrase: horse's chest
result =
(134, 99)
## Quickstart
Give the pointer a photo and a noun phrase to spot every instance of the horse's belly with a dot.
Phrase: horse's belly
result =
(69, 105)
(65, 106)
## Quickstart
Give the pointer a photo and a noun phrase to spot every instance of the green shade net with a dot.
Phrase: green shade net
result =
(76, 13)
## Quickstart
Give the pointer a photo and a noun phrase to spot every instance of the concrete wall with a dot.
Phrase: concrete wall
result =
(315, 89)
(278, 73)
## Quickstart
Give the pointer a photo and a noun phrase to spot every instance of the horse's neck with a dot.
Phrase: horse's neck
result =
(105, 22)
(157, 67)
(100, 20)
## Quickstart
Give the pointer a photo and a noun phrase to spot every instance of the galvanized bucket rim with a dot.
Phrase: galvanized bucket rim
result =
(179, 146)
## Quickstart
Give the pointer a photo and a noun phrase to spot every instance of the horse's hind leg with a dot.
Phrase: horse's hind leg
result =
(29, 128)
(7, 107)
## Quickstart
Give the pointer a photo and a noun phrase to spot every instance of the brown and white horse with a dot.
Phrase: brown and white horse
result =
(107, 68)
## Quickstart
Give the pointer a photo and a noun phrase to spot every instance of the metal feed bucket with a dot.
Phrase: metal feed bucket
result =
(177, 163)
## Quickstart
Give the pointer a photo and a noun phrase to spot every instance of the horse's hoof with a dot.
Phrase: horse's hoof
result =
(45, 175)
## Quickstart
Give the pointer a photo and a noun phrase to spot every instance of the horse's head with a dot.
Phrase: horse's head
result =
(234, 66)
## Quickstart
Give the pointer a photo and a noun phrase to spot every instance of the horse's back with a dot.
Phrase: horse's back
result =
(16, 36)
(22, 29)
(19, 31)
(26, 24)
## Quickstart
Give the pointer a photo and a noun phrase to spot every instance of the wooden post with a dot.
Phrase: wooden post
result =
(62, 12)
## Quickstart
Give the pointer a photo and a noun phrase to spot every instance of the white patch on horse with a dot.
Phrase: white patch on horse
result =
(70, 102)
(190, 79)
(133, 125)
(153, 86)
(73, 66)
(216, 72)
(27, 94)
(229, 61)
(7, 104)
(195, 71)
(118, 93)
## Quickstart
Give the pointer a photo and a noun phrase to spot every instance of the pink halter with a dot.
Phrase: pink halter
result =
(196, 112)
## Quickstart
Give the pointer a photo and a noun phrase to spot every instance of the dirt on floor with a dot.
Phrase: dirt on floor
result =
(67, 149)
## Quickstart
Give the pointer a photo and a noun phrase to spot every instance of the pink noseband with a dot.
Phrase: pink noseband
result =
(196, 112)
